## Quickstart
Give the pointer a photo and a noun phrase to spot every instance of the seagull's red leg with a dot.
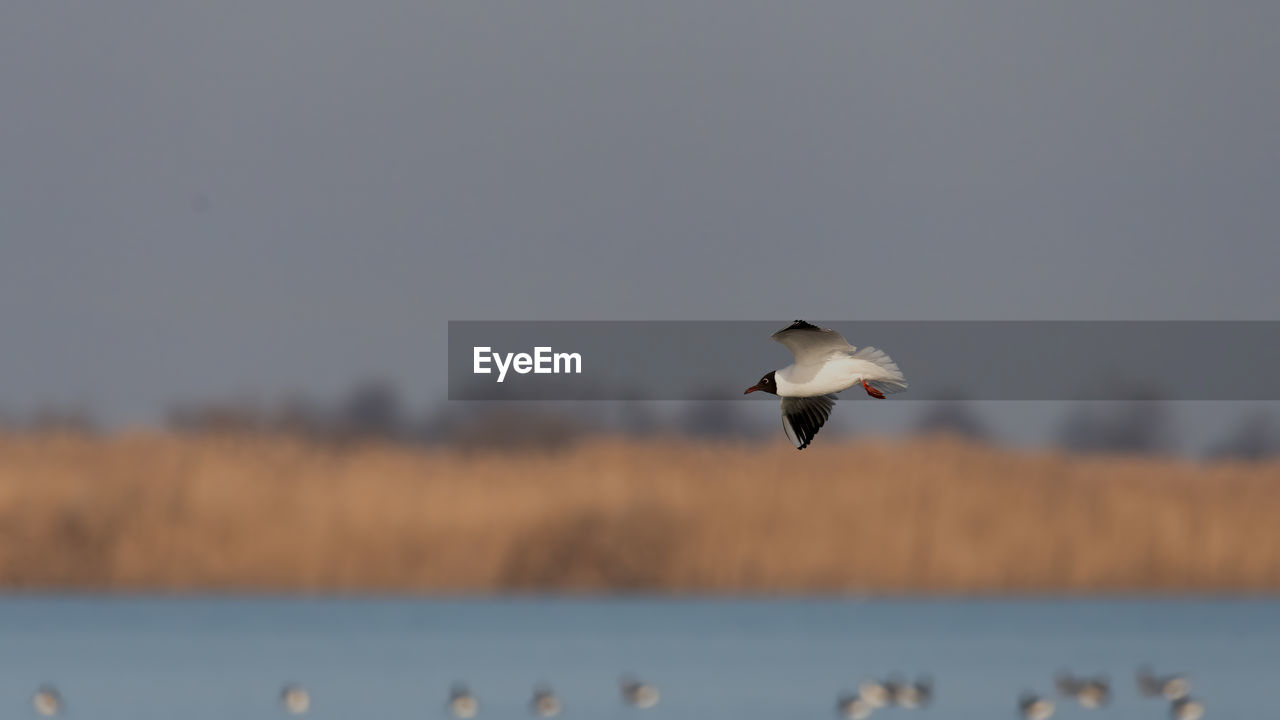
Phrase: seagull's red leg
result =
(872, 391)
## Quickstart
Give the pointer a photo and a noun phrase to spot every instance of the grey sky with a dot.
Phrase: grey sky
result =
(199, 199)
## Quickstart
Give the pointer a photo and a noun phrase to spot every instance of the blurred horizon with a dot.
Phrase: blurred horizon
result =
(1135, 423)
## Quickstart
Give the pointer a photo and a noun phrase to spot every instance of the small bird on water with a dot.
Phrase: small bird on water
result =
(854, 707)
(545, 704)
(1091, 693)
(825, 363)
(1185, 708)
(875, 692)
(47, 701)
(1169, 687)
(462, 704)
(638, 694)
(1034, 707)
(295, 699)
(913, 695)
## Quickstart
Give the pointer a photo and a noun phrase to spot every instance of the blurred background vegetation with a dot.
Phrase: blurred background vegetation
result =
(364, 495)
(1138, 422)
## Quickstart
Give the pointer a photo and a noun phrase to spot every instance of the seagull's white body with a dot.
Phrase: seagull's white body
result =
(825, 364)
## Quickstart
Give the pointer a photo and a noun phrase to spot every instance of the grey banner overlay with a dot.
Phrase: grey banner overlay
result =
(976, 360)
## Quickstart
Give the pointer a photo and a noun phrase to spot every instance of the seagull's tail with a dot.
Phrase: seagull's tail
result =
(886, 377)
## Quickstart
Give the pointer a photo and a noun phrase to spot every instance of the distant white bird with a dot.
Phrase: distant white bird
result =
(1170, 687)
(825, 363)
(545, 704)
(295, 699)
(638, 694)
(875, 692)
(1185, 708)
(854, 707)
(1034, 707)
(913, 695)
(1092, 693)
(462, 704)
(47, 701)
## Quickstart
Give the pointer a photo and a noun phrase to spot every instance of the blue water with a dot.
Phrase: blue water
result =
(752, 659)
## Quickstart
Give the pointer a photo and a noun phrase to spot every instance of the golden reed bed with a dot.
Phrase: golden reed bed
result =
(171, 512)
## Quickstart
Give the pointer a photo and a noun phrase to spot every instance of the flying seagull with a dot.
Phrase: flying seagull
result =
(825, 364)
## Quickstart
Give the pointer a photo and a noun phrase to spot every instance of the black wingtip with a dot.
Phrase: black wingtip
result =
(801, 325)
(802, 418)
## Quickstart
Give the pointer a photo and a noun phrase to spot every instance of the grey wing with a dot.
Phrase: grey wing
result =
(810, 343)
(802, 417)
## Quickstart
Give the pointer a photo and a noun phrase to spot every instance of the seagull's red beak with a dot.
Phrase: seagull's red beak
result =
(751, 389)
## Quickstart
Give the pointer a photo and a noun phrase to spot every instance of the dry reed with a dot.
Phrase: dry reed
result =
(171, 512)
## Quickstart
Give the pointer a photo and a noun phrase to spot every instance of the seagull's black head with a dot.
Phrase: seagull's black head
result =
(766, 384)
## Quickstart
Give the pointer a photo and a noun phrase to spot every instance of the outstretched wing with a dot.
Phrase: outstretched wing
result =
(802, 417)
(810, 343)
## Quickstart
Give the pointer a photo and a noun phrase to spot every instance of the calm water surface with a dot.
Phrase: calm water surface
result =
(143, 658)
